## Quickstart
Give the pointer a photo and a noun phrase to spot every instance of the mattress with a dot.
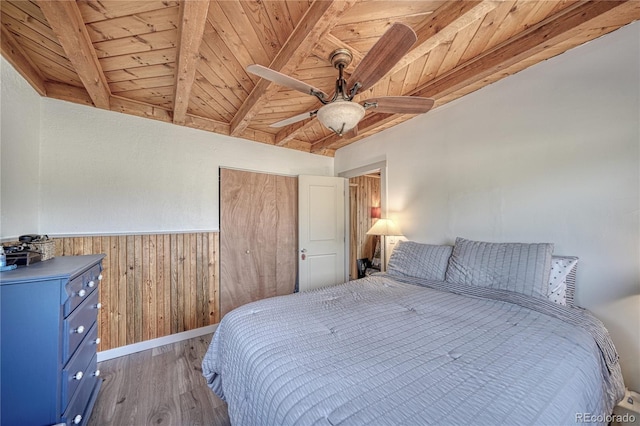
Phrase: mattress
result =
(389, 351)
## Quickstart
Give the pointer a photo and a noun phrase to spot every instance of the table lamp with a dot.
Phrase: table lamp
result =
(384, 228)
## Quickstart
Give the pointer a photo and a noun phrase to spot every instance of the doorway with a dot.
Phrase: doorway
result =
(322, 230)
(367, 203)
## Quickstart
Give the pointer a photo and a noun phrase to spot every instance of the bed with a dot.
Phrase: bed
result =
(469, 334)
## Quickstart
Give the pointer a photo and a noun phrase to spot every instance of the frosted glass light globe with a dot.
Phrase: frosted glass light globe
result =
(341, 116)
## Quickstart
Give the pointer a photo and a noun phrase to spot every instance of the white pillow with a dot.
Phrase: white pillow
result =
(562, 280)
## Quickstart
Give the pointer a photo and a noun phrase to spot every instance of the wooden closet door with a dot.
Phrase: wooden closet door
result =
(286, 234)
(258, 237)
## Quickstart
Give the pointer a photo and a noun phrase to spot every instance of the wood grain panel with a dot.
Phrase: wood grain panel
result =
(160, 96)
(133, 25)
(20, 20)
(152, 71)
(39, 34)
(287, 234)
(129, 45)
(16, 55)
(258, 238)
(155, 57)
(214, 51)
(154, 285)
(364, 194)
(235, 276)
(93, 11)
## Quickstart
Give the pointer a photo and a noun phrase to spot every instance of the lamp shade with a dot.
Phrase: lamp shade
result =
(376, 213)
(385, 227)
(341, 116)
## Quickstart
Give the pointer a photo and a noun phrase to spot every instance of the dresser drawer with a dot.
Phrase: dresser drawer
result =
(79, 409)
(80, 287)
(76, 325)
(78, 369)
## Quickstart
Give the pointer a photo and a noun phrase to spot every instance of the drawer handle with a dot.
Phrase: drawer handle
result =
(91, 284)
(82, 292)
(98, 306)
(100, 277)
(97, 341)
(97, 373)
(78, 375)
(79, 330)
(77, 419)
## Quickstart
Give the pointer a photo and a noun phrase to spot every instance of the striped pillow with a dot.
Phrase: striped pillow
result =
(518, 267)
(411, 259)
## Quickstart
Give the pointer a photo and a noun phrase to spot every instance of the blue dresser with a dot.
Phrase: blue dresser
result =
(48, 339)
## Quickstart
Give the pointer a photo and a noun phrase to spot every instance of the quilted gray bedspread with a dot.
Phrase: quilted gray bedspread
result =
(378, 351)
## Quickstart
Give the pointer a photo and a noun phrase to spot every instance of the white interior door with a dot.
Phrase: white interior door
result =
(321, 219)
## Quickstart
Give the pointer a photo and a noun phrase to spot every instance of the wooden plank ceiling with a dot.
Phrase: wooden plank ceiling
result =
(184, 61)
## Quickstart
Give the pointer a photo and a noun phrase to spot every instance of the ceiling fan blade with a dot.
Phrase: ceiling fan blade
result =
(400, 104)
(294, 119)
(284, 80)
(388, 50)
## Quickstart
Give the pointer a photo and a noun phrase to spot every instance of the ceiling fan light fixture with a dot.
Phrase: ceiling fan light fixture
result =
(341, 116)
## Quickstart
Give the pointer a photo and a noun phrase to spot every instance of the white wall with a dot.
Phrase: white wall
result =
(19, 158)
(550, 154)
(106, 172)
(69, 169)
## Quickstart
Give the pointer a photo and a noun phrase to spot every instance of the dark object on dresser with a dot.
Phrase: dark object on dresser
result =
(48, 334)
(23, 258)
(363, 264)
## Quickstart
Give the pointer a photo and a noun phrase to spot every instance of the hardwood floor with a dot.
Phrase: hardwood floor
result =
(161, 386)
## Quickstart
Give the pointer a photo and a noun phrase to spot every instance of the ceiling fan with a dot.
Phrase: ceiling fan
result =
(340, 113)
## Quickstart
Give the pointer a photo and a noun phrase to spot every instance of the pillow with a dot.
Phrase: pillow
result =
(519, 267)
(562, 280)
(411, 259)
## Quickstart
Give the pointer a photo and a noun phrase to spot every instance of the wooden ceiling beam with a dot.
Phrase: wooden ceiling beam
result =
(66, 22)
(140, 109)
(442, 25)
(319, 19)
(289, 133)
(13, 53)
(66, 92)
(193, 17)
(555, 29)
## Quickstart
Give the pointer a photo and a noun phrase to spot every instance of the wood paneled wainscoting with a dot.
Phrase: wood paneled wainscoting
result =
(153, 285)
